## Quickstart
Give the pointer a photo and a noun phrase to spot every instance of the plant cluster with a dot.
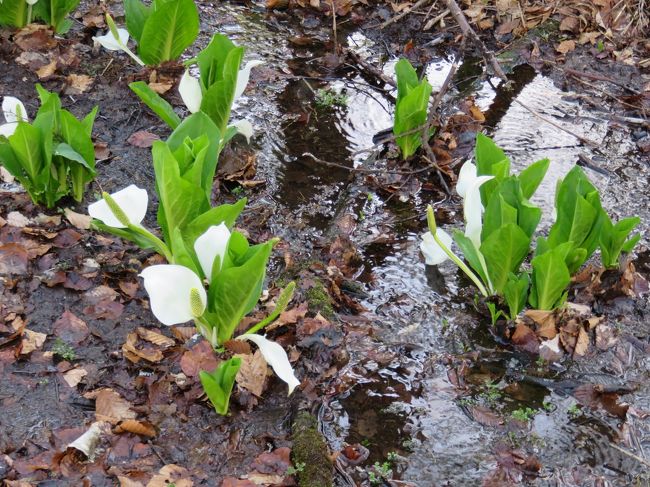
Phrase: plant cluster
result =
(500, 228)
(411, 108)
(162, 30)
(213, 277)
(54, 155)
(19, 13)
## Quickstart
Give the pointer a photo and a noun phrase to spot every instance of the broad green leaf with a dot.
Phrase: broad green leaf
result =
(89, 120)
(54, 13)
(156, 103)
(180, 201)
(531, 177)
(212, 60)
(27, 147)
(411, 113)
(218, 384)
(515, 293)
(407, 78)
(197, 125)
(487, 154)
(234, 294)
(168, 31)
(13, 13)
(217, 100)
(497, 214)
(613, 239)
(504, 251)
(550, 278)
(66, 151)
(471, 254)
(75, 134)
(11, 163)
(136, 14)
(183, 255)
(219, 214)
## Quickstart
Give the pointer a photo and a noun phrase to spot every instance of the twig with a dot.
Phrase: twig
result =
(404, 13)
(599, 77)
(436, 19)
(467, 30)
(364, 170)
(377, 73)
(630, 454)
(336, 43)
(426, 130)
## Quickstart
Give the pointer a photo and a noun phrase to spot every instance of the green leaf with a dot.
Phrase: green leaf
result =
(219, 214)
(212, 60)
(472, 255)
(180, 201)
(515, 293)
(193, 127)
(156, 103)
(136, 14)
(613, 239)
(504, 251)
(218, 384)
(182, 254)
(487, 155)
(531, 177)
(411, 113)
(54, 13)
(168, 31)
(26, 145)
(236, 291)
(11, 163)
(407, 78)
(550, 278)
(497, 214)
(13, 13)
(217, 100)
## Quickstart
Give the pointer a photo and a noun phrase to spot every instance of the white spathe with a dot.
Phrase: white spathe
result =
(132, 200)
(466, 178)
(244, 128)
(433, 253)
(170, 288)
(190, 90)
(13, 111)
(276, 357)
(473, 210)
(108, 40)
(31, 2)
(212, 243)
(244, 75)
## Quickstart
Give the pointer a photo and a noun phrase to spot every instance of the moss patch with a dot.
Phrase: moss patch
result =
(319, 300)
(309, 449)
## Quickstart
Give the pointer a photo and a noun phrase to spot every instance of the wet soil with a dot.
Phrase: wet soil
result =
(409, 372)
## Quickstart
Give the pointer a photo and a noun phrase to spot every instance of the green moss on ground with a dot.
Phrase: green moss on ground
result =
(310, 451)
(319, 301)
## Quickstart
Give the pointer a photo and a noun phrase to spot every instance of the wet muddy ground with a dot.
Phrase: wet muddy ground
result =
(402, 369)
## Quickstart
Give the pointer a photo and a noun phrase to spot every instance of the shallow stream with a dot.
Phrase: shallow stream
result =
(425, 317)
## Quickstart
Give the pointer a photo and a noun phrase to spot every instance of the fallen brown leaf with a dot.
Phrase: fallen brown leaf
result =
(32, 340)
(74, 376)
(70, 328)
(141, 428)
(111, 407)
(252, 373)
(77, 84)
(82, 222)
(142, 139)
(171, 474)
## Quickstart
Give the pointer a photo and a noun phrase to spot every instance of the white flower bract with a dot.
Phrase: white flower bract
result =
(13, 111)
(170, 288)
(109, 42)
(212, 243)
(132, 201)
(276, 357)
(190, 90)
(433, 253)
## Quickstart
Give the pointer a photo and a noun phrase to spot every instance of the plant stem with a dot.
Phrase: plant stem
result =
(431, 221)
(160, 246)
(29, 13)
(130, 53)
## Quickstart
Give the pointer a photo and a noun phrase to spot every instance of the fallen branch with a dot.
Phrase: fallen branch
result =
(363, 169)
